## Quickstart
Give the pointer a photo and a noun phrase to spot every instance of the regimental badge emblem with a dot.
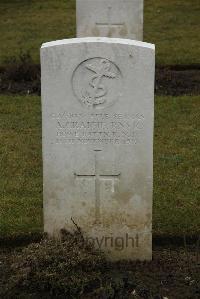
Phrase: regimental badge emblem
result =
(97, 83)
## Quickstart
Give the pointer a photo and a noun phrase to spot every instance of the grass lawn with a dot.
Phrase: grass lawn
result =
(172, 25)
(20, 164)
(176, 165)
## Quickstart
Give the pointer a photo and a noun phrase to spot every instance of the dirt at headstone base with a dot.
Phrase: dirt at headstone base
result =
(23, 77)
(71, 268)
(178, 80)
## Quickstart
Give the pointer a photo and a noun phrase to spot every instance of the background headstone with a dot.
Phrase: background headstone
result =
(97, 110)
(110, 18)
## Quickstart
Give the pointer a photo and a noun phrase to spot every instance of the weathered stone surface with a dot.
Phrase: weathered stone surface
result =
(110, 18)
(97, 110)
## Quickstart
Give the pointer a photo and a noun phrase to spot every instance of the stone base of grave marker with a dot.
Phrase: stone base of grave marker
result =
(97, 111)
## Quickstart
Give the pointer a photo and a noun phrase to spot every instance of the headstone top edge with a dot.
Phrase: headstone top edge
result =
(107, 40)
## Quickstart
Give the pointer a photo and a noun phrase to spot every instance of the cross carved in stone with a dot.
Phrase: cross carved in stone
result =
(109, 23)
(97, 178)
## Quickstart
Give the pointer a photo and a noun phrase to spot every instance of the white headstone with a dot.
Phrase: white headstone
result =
(110, 18)
(97, 111)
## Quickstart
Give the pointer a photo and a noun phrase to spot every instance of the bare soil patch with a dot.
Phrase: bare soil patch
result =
(72, 269)
(24, 78)
(178, 80)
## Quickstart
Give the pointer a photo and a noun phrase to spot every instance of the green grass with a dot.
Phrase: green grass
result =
(172, 25)
(26, 24)
(20, 164)
(176, 165)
